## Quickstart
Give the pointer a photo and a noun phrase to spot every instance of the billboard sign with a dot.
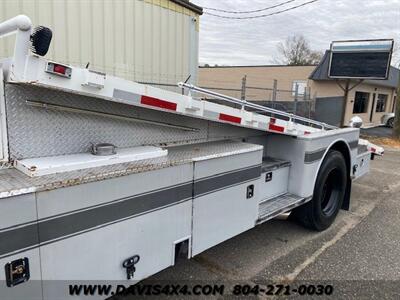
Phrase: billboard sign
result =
(360, 59)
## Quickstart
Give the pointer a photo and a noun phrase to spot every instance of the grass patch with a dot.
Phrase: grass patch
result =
(390, 142)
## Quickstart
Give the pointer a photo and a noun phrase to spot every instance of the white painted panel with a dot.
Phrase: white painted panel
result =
(277, 186)
(98, 254)
(31, 289)
(363, 163)
(65, 163)
(63, 200)
(303, 176)
(222, 215)
(211, 167)
(17, 210)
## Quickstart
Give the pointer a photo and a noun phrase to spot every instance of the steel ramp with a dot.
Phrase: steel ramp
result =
(273, 207)
(251, 114)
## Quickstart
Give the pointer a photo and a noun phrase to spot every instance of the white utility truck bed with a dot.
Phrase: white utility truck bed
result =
(103, 179)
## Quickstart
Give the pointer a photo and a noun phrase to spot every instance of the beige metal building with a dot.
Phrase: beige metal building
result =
(142, 40)
(369, 99)
(228, 79)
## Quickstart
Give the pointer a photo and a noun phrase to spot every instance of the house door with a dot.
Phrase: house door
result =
(373, 107)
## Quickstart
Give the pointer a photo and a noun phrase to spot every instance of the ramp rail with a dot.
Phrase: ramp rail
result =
(259, 108)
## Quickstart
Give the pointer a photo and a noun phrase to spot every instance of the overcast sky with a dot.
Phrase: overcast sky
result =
(253, 42)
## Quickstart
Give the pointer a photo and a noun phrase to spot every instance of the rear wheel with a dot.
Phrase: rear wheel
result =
(329, 193)
(390, 123)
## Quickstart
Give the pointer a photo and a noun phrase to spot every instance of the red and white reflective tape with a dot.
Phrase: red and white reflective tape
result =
(229, 118)
(146, 100)
(214, 113)
(273, 127)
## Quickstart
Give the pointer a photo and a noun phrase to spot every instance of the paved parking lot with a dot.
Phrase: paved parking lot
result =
(359, 255)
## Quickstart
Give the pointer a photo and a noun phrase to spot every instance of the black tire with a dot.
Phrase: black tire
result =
(390, 123)
(329, 193)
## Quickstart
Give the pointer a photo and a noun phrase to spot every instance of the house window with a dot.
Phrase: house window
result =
(361, 103)
(302, 87)
(381, 103)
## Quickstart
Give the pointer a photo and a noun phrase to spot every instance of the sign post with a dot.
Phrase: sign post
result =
(359, 60)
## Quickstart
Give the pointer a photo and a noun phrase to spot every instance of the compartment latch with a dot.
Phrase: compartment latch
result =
(268, 177)
(17, 272)
(250, 191)
(129, 265)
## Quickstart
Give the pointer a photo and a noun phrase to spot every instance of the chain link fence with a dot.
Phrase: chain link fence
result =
(298, 102)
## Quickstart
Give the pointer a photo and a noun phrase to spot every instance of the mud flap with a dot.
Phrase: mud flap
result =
(347, 196)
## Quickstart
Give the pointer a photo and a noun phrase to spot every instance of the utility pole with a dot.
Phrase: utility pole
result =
(243, 96)
(396, 129)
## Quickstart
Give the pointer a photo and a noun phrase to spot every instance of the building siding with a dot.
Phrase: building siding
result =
(221, 78)
(332, 89)
(147, 41)
(263, 76)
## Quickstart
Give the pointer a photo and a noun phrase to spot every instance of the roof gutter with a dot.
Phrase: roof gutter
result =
(193, 7)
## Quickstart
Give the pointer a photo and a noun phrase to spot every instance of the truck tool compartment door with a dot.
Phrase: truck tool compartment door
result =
(226, 198)
(89, 230)
(19, 249)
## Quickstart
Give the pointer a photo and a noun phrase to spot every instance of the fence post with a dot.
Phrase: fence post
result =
(296, 98)
(274, 92)
(314, 104)
(307, 100)
(243, 96)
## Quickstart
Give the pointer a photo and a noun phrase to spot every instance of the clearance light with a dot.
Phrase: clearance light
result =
(59, 70)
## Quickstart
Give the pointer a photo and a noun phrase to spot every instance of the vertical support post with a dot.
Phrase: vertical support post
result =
(243, 95)
(309, 101)
(194, 50)
(306, 102)
(296, 98)
(3, 124)
(307, 93)
(21, 25)
(396, 129)
(186, 81)
(346, 97)
(274, 93)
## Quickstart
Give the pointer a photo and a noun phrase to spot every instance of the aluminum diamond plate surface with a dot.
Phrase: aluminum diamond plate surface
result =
(14, 182)
(276, 206)
(37, 131)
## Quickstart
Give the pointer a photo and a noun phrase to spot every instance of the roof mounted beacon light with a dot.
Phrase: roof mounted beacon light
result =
(41, 39)
(37, 40)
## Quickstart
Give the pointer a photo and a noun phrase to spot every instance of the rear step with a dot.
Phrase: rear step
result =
(274, 207)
